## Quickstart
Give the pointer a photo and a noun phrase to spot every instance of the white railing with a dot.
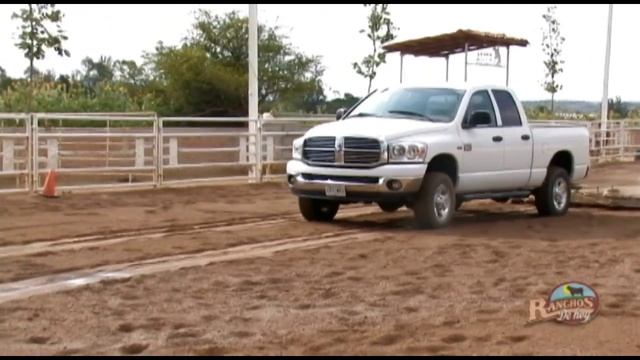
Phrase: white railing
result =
(96, 156)
(209, 152)
(620, 142)
(15, 152)
(144, 150)
(91, 150)
(276, 139)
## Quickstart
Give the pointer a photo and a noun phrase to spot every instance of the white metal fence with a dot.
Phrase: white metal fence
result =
(620, 142)
(94, 156)
(144, 150)
(209, 151)
(15, 138)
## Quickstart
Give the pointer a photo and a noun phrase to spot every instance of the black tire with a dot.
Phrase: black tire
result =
(424, 208)
(390, 206)
(318, 209)
(545, 194)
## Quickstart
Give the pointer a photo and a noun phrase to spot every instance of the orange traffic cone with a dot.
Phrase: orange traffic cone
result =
(50, 185)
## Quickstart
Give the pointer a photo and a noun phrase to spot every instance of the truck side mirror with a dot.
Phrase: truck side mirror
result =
(478, 118)
(340, 113)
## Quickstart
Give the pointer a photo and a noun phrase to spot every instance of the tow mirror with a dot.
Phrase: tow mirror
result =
(478, 118)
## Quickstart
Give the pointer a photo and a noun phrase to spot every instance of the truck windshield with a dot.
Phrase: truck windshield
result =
(429, 104)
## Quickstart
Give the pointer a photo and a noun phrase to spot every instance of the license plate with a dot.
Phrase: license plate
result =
(335, 190)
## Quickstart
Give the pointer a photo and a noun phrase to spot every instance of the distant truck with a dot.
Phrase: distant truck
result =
(433, 148)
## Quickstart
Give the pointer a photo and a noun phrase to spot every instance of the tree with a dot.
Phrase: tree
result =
(380, 30)
(102, 70)
(551, 46)
(5, 81)
(188, 82)
(36, 37)
(346, 102)
(281, 69)
(130, 72)
(617, 109)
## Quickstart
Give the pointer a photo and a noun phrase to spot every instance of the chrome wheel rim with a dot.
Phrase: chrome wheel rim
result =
(442, 202)
(560, 193)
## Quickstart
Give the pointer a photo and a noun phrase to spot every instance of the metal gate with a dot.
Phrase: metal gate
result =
(15, 152)
(95, 151)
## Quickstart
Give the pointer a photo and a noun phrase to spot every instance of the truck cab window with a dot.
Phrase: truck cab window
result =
(425, 104)
(508, 110)
(480, 101)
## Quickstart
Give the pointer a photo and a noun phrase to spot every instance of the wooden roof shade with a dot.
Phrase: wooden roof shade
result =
(461, 41)
(453, 43)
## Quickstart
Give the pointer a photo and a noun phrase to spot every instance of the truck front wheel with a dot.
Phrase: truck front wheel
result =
(554, 196)
(436, 202)
(318, 209)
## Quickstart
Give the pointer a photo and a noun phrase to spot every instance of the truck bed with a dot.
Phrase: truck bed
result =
(557, 124)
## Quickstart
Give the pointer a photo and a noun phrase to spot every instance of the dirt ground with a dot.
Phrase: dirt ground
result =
(234, 269)
(614, 174)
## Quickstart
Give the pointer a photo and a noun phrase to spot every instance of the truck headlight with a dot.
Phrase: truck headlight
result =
(407, 152)
(296, 149)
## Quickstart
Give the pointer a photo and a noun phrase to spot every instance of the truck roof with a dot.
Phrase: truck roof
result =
(446, 85)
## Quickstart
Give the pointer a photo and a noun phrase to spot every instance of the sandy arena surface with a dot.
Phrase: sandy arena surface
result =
(235, 270)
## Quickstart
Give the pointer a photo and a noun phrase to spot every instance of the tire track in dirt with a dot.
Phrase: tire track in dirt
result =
(84, 241)
(72, 280)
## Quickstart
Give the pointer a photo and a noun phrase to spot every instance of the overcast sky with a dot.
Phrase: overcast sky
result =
(124, 31)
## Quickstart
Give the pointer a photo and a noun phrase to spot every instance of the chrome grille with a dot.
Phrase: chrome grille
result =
(361, 143)
(356, 151)
(351, 157)
(321, 142)
(364, 151)
(320, 149)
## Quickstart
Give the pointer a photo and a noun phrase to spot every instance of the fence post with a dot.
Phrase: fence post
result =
(243, 150)
(108, 142)
(253, 149)
(159, 150)
(8, 146)
(623, 139)
(29, 150)
(173, 151)
(270, 151)
(602, 137)
(259, 146)
(139, 152)
(52, 153)
(34, 152)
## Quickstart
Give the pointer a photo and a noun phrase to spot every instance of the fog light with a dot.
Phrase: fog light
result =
(291, 179)
(394, 185)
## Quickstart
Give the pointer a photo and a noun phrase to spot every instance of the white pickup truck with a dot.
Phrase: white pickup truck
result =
(433, 148)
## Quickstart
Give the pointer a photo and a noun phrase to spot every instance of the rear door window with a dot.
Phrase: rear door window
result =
(508, 109)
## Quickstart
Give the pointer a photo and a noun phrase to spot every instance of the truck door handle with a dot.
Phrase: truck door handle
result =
(525, 137)
(497, 138)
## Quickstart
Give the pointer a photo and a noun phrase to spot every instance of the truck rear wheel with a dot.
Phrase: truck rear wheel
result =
(554, 196)
(436, 202)
(318, 209)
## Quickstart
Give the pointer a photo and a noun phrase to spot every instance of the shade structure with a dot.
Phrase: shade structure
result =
(461, 41)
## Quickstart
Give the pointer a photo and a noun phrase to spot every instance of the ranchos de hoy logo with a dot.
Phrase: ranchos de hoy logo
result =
(570, 303)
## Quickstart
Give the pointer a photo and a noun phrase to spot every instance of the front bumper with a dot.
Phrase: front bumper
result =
(360, 184)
